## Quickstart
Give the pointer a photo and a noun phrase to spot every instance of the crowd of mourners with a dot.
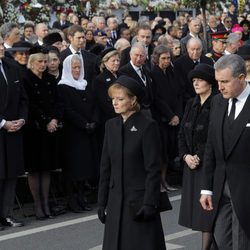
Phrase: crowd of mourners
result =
(55, 100)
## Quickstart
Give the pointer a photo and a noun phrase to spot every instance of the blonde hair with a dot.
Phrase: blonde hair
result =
(117, 86)
(107, 57)
(34, 57)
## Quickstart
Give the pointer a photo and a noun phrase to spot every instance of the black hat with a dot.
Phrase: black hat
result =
(159, 26)
(245, 22)
(52, 38)
(205, 72)
(38, 49)
(106, 51)
(132, 85)
(244, 52)
(21, 46)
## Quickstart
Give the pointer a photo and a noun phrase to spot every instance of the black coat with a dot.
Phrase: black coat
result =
(40, 145)
(130, 171)
(101, 85)
(167, 104)
(128, 70)
(192, 140)
(80, 149)
(183, 65)
(233, 164)
(13, 106)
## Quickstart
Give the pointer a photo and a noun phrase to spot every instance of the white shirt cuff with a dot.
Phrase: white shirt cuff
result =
(2, 123)
(208, 192)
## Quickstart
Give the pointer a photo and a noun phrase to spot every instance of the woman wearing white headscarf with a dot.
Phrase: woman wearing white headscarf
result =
(80, 118)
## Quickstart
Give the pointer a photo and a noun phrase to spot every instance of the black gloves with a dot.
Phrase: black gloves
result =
(101, 214)
(146, 213)
(90, 127)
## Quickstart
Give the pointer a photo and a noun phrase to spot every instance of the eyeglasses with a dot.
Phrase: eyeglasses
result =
(228, 21)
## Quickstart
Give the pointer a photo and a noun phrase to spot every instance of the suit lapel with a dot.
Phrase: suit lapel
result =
(240, 124)
(222, 109)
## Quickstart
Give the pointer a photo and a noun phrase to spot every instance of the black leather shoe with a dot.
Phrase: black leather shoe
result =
(11, 222)
(43, 217)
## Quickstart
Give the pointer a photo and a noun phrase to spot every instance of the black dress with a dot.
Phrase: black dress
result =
(41, 145)
(192, 140)
(80, 148)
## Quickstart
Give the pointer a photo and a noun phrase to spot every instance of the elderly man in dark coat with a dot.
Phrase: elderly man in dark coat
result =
(184, 64)
(13, 114)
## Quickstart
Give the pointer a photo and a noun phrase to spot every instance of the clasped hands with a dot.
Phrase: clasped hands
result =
(90, 127)
(52, 126)
(14, 126)
(174, 121)
(192, 161)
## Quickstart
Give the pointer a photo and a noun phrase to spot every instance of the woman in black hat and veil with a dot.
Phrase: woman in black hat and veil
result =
(192, 141)
(130, 174)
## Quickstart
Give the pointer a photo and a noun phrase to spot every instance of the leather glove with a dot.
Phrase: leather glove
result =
(101, 214)
(146, 213)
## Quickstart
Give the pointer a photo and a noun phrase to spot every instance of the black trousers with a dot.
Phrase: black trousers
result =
(7, 196)
(228, 233)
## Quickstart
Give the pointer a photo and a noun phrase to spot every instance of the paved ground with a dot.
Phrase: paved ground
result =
(85, 232)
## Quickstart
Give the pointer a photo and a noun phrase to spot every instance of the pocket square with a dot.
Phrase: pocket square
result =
(16, 81)
(248, 125)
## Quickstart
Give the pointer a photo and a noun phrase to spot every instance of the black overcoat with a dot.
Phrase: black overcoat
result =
(233, 164)
(192, 140)
(44, 105)
(130, 171)
(13, 106)
(80, 149)
(101, 85)
(167, 104)
(182, 66)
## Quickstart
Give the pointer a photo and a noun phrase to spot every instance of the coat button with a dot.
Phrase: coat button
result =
(84, 99)
(38, 92)
(36, 84)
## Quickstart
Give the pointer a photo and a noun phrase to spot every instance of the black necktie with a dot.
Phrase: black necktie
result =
(232, 111)
(78, 53)
(142, 75)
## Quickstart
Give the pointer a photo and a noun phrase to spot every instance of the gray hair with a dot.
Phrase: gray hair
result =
(232, 38)
(75, 57)
(233, 62)
(6, 29)
(138, 45)
(194, 40)
(160, 49)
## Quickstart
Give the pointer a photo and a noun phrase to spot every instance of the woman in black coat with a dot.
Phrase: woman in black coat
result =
(80, 120)
(45, 114)
(129, 186)
(192, 142)
(167, 104)
(110, 61)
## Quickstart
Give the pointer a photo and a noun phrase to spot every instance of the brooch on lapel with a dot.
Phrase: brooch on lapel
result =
(108, 80)
(133, 129)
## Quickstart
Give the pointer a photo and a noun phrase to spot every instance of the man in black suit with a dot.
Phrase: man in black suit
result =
(184, 64)
(136, 69)
(13, 114)
(226, 169)
(194, 27)
(62, 23)
(77, 44)
(144, 35)
(112, 23)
